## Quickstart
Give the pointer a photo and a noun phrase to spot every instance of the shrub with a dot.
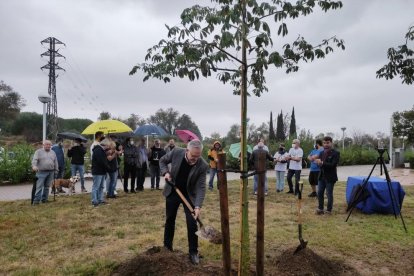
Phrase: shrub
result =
(16, 164)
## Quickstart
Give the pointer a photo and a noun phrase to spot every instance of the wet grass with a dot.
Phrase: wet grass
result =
(69, 237)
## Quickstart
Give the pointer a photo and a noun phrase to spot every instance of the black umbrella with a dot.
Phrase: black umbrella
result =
(71, 136)
(359, 193)
(145, 130)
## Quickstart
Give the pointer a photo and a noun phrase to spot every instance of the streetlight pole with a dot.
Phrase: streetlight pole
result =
(44, 99)
(343, 137)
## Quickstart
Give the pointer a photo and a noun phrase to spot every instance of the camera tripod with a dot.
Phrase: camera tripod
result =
(360, 192)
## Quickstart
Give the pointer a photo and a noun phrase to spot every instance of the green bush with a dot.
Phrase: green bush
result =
(411, 160)
(16, 164)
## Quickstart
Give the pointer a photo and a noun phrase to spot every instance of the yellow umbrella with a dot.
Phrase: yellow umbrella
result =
(107, 126)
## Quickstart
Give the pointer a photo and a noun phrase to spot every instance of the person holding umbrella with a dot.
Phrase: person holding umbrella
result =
(77, 161)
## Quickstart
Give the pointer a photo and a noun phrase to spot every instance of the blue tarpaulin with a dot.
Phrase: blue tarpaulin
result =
(379, 200)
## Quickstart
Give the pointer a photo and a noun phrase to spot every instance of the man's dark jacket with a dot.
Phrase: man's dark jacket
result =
(196, 182)
(100, 163)
(77, 155)
(328, 168)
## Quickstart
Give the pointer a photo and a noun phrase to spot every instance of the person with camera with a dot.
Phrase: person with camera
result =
(131, 163)
(77, 161)
(280, 157)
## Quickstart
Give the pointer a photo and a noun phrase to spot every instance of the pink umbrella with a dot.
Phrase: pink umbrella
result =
(185, 135)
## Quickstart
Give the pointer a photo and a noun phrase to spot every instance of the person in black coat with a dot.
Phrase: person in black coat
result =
(131, 163)
(328, 161)
(77, 155)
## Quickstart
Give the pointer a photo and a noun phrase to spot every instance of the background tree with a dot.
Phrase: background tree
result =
(221, 40)
(401, 61)
(292, 127)
(167, 119)
(10, 104)
(272, 136)
(134, 120)
(185, 122)
(233, 136)
(74, 125)
(280, 128)
(28, 124)
(104, 115)
(404, 124)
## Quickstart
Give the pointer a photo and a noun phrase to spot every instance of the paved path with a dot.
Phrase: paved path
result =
(404, 176)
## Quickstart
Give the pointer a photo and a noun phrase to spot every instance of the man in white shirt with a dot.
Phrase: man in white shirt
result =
(295, 166)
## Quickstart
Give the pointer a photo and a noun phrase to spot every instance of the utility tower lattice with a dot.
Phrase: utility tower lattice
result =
(52, 116)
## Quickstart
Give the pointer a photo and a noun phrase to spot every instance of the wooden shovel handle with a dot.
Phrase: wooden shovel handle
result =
(180, 194)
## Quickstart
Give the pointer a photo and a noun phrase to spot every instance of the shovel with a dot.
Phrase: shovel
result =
(205, 232)
(303, 243)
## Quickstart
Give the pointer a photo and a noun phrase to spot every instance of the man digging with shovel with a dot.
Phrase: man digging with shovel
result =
(188, 171)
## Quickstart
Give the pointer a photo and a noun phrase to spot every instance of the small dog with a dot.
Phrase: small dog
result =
(66, 183)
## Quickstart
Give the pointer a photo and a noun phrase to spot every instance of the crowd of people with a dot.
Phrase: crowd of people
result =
(183, 169)
(322, 176)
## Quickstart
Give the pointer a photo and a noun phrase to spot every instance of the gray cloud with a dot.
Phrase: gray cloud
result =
(106, 38)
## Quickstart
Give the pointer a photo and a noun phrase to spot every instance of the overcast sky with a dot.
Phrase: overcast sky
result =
(106, 38)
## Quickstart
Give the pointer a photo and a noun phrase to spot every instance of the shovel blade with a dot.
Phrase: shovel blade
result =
(301, 246)
(211, 234)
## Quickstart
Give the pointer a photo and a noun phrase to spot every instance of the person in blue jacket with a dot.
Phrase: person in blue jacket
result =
(60, 155)
(314, 168)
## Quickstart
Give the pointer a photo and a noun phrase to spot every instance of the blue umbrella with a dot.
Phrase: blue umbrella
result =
(145, 130)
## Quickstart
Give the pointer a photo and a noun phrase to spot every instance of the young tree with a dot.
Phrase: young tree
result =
(272, 136)
(401, 61)
(233, 40)
(292, 128)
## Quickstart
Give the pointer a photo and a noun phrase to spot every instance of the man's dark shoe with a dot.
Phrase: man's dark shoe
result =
(194, 258)
(289, 192)
(62, 191)
(313, 194)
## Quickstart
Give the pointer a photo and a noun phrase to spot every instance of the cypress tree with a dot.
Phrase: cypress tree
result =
(272, 136)
(280, 133)
(292, 128)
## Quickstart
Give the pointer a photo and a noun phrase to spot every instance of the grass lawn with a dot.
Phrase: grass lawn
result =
(69, 237)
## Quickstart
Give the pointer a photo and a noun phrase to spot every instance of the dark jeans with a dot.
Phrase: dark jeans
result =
(155, 176)
(297, 178)
(322, 185)
(173, 201)
(141, 177)
(129, 170)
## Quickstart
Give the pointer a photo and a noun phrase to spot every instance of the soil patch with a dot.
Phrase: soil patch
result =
(307, 262)
(160, 261)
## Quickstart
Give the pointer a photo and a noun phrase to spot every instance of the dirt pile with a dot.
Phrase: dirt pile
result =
(159, 261)
(307, 262)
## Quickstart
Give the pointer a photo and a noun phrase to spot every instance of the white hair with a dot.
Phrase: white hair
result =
(195, 144)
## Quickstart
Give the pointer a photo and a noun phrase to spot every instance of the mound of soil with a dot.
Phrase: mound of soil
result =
(307, 262)
(160, 261)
